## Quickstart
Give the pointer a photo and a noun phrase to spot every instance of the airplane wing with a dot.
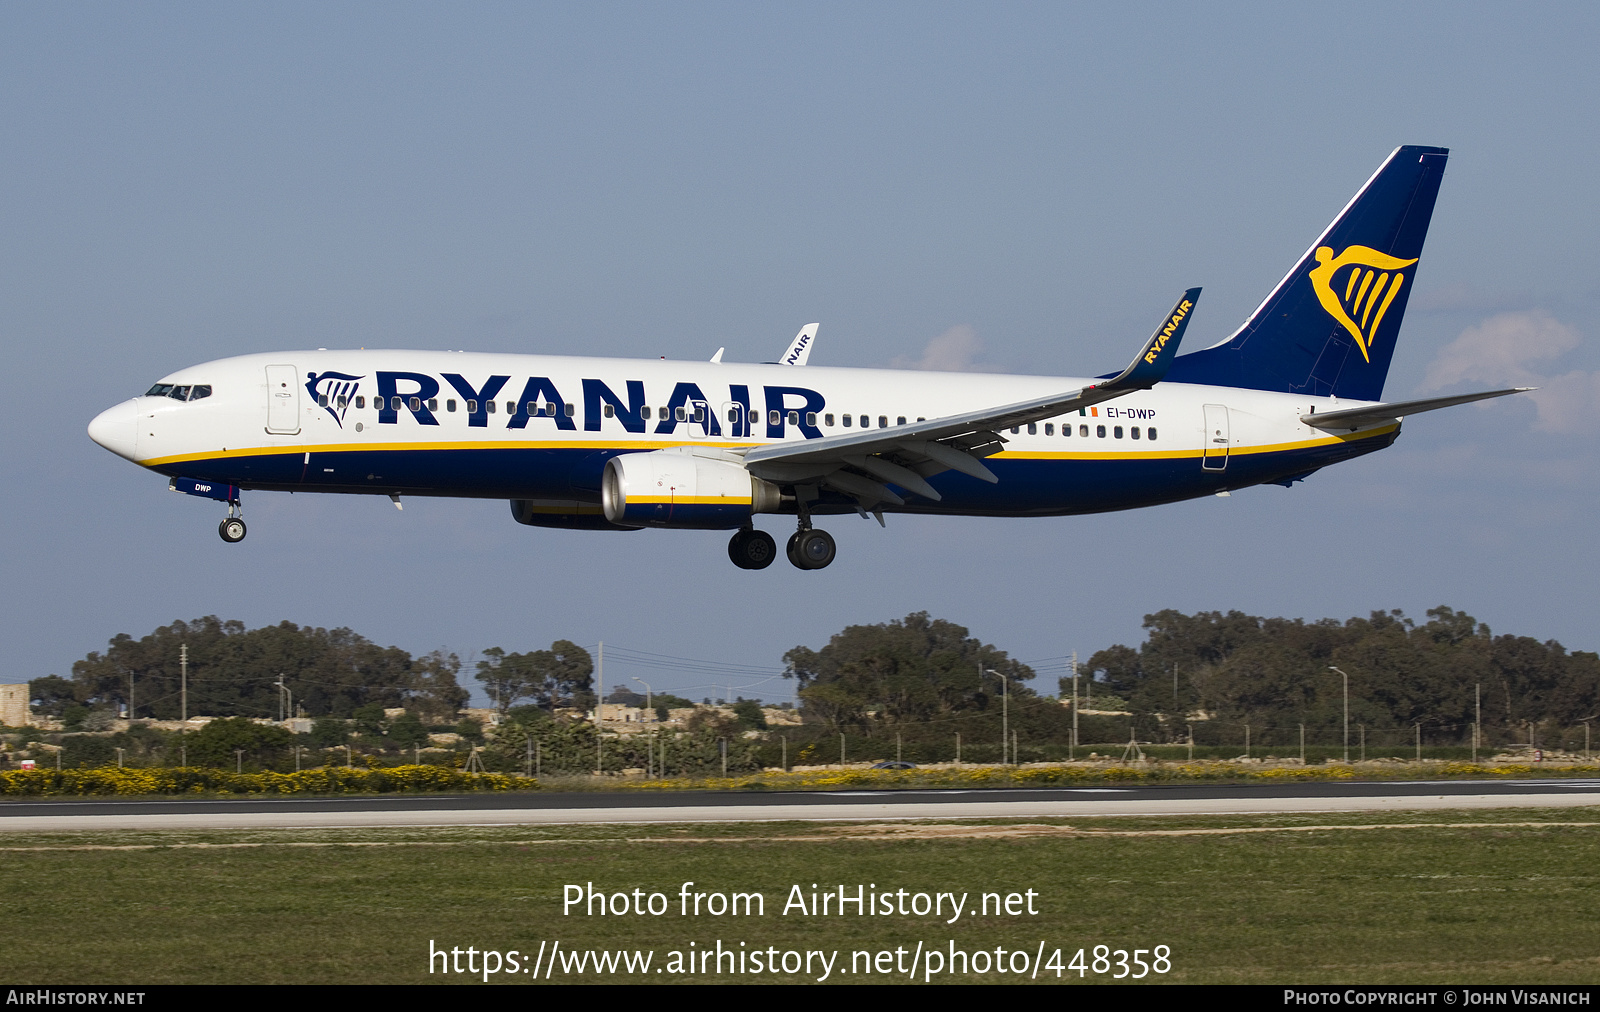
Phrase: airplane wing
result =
(860, 463)
(1377, 414)
(800, 348)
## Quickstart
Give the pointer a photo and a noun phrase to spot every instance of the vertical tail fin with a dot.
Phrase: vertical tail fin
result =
(1329, 327)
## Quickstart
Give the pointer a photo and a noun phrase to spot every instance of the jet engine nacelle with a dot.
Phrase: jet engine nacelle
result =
(562, 514)
(697, 487)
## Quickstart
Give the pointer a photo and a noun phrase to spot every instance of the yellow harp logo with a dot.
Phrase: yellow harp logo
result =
(1369, 288)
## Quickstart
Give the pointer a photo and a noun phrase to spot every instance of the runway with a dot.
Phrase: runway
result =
(88, 814)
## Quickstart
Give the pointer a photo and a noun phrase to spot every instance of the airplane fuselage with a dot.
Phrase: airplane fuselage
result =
(541, 428)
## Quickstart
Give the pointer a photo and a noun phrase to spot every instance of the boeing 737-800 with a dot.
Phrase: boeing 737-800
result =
(613, 444)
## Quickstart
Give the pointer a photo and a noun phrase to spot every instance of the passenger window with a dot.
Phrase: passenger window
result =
(609, 411)
(322, 400)
(344, 402)
(755, 416)
(811, 418)
(644, 412)
(845, 421)
(883, 421)
(450, 405)
(827, 420)
(1015, 429)
(1150, 433)
(361, 401)
(1066, 428)
(773, 417)
(572, 409)
(1083, 430)
(733, 415)
(901, 420)
(1049, 428)
(1033, 429)
(489, 407)
(416, 404)
(699, 413)
(472, 406)
(794, 418)
(680, 413)
(397, 402)
(1117, 432)
(1100, 431)
(1134, 432)
(433, 404)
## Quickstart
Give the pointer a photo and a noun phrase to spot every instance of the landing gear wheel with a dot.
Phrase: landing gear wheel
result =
(752, 549)
(232, 530)
(812, 549)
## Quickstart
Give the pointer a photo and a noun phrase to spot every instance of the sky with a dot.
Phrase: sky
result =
(1020, 187)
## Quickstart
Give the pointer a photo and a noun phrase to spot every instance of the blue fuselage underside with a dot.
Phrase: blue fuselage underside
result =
(1048, 486)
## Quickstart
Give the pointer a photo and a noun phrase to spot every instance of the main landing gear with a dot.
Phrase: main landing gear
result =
(752, 549)
(808, 549)
(811, 549)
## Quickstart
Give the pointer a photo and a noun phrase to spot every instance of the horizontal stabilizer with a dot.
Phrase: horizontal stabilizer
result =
(1377, 414)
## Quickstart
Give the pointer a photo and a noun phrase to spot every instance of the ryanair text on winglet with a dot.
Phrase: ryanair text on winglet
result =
(1161, 339)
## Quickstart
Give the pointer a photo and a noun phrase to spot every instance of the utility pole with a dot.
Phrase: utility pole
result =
(1073, 750)
(183, 692)
(1346, 714)
(1477, 720)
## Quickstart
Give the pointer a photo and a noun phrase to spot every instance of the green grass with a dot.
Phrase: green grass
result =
(1420, 901)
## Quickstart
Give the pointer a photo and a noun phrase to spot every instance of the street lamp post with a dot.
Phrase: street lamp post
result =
(1005, 714)
(1346, 711)
(649, 694)
(282, 690)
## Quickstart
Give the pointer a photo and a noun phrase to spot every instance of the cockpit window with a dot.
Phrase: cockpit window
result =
(179, 393)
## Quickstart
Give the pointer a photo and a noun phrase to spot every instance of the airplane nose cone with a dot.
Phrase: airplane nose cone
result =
(115, 429)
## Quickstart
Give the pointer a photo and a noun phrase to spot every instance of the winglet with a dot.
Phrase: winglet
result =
(1156, 357)
(800, 347)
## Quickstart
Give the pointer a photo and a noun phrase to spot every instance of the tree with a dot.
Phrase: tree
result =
(749, 713)
(51, 694)
(559, 676)
(234, 671)
(904, 671)
(216, 743)
(407, 731)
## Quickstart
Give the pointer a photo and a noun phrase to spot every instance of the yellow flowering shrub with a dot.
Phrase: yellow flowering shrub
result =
(196, 780)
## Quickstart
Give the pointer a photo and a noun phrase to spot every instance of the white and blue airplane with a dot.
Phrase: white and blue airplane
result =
(614, 444)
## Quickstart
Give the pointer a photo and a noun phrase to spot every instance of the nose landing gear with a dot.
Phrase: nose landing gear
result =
(232, 529)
